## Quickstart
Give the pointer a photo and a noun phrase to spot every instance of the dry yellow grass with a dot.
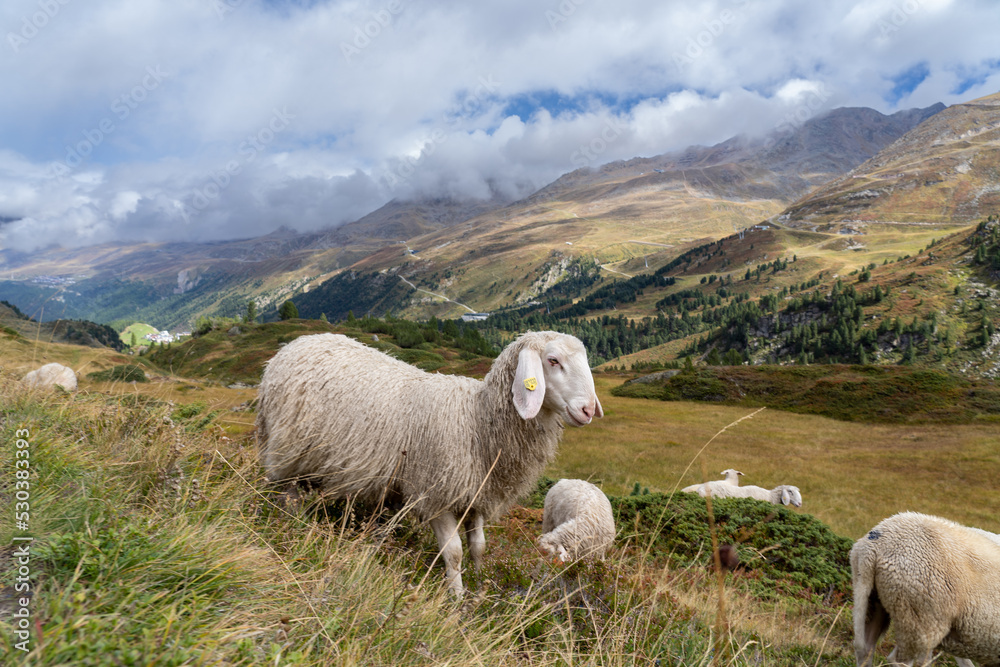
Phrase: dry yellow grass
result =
(851, 475)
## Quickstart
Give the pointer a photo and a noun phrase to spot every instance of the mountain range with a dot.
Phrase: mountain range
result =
(627, 217)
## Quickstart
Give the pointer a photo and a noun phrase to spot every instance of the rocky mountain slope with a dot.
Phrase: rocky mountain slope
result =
(946, 169)
(481, 255)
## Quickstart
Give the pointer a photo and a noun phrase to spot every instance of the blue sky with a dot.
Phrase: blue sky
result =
(212, 119)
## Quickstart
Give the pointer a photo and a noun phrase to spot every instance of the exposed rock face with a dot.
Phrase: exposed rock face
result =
(51, 375)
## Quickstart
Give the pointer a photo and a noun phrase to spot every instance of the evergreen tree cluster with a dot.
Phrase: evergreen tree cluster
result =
(986, 244)
(828, 328)
(370, 293)
(407, 334)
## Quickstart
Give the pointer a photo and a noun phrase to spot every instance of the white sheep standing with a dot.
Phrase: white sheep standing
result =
(937, 581)
(729, 476)
(779, 495)
(577, 521)
(359, 423)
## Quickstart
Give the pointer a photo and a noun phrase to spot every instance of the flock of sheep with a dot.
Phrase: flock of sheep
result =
(458, 452)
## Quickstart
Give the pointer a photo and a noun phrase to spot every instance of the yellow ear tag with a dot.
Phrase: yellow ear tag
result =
(530, 383)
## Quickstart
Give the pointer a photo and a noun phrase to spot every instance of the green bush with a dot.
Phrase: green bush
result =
(190, 410)
(121, 373)
(789, 553)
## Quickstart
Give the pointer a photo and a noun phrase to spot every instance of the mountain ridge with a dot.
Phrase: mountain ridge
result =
(485, 253)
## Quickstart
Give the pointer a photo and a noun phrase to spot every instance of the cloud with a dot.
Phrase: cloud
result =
(209, 119)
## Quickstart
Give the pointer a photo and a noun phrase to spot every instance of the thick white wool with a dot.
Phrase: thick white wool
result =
(937, 581)
(780, 495)
(357, 422)
(577, 521)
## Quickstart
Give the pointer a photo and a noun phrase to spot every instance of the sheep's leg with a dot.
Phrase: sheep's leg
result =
(446, 529)
(475, 537)
(876, 623)
(871, 619)
(923, 632)
(961, 662)
(912, 654)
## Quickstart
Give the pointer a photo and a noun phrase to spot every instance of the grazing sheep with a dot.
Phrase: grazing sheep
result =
(729, 476)
(780, 495)
(51, 375)
(577, 521)
(937, 581)
(359, 423)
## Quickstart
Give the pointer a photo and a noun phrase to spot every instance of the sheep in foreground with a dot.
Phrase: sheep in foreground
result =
(356, 422)
(577, 521)
(779, 495)
(729, 476)
(937, 581)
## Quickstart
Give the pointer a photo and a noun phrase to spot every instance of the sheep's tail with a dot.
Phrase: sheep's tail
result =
(871, 619)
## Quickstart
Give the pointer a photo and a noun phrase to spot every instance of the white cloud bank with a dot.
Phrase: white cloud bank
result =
(211, 119)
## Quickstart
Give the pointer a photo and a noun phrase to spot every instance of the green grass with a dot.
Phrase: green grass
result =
(156, 535)
(238, 354)
(874, 394)
(851, 474)
(155, 541)
(140, 330)
(120, 373)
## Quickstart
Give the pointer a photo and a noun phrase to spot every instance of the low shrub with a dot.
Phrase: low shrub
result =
(120, 373)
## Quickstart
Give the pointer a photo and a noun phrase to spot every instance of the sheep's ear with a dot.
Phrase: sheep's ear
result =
(529, 384)
(786, 497)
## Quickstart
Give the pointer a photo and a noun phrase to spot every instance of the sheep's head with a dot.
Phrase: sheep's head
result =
(731, 476)
(552, 547)
(557, 378)
(790, 495)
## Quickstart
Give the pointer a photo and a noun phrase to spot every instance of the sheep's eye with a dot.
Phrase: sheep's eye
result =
(553, 361)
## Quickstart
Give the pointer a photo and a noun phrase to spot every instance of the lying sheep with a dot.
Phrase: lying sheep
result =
(729, 476)
(577, 521)
(937, 581)
(359, 423)
(780, 495)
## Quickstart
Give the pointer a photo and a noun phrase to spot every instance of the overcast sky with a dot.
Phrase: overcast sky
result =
(213, 119)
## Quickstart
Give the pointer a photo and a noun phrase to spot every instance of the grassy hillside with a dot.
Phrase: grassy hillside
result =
(942, 171)
(187, 549)
(232, 352)
(140, 330)
(75, 332)
(872, 394)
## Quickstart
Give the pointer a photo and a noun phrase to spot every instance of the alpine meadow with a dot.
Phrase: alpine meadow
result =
(774, 229)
